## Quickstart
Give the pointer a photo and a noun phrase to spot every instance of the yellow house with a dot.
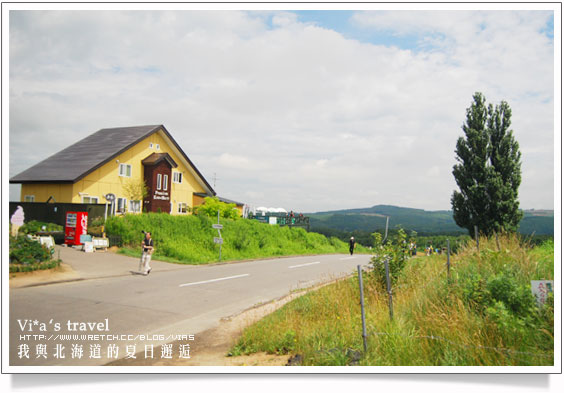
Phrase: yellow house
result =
(117, 161)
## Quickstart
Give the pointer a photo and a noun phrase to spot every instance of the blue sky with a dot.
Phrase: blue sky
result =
(340, 21)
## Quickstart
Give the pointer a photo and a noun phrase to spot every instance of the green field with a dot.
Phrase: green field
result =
(189, 239)
(483, 314)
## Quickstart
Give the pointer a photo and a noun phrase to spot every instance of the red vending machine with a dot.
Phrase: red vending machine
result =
(76, 225)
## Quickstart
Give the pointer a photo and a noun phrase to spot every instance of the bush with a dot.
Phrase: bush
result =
(212, 205)
(32, 227)
(396, 252)
(25, 251)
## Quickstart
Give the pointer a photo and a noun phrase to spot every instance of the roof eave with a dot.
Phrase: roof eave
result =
(188, 160)
(15, 181)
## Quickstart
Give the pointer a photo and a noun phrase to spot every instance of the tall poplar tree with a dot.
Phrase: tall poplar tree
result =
(488, 172)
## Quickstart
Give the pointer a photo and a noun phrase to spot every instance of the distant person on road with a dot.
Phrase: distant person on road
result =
(352, 245)
(148, 249)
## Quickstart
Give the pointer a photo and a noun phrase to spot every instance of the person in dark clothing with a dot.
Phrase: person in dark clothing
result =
(352, 245)
(148, 248)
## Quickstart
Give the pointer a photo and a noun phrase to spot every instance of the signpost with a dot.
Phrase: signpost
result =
(109, 198)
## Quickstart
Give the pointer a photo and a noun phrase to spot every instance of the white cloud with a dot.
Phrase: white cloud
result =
(288, 114)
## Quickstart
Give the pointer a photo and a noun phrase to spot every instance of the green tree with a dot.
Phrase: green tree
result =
(213, 204)
(488, 172)
(135, 190)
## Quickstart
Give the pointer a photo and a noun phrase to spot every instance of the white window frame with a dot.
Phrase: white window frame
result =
(177, 177)
(180, 205)
(29, 198)
(90, 198)
(126, 166)
(158, 147)
(150, 145)
(118, 205)
(159, 181)
(135, 206)
(165, 182)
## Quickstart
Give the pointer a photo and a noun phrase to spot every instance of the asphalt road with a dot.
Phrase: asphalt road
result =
(151, 310)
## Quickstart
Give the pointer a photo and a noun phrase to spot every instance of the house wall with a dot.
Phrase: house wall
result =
(106, 179)
(42, 192)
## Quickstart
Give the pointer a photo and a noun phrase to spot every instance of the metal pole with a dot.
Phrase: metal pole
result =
(389, 286)
(448, 257)
(362, 308)
(219, 232)
(477, 238)
(386, 234)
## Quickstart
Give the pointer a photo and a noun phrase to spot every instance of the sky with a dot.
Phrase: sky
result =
(306, 110)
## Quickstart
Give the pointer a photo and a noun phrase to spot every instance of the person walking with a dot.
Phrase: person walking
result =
(148, 249)
(352, 245)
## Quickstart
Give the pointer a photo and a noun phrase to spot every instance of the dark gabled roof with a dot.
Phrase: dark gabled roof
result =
(155, 158)
(85, 156)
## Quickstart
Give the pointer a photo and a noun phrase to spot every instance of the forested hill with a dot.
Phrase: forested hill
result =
(373, 218)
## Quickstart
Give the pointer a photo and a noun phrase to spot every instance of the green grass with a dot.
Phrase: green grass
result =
(482, 315)
(189, 239)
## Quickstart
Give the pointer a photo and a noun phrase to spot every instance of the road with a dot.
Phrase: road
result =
(134, 311)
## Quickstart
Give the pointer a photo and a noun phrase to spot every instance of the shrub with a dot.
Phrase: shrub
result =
(25, 251)
(32, 227)
(212, 205)
(396, 252)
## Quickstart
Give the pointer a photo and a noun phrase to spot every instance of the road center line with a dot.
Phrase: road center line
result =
(215, 279)
(305, 264)
(343, 259)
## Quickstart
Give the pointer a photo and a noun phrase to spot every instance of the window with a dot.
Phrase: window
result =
(182, 208)
(121, 204)
(177, 177)
(158, 147)
(125, 170)
(159, 181)
(165, 182)
(29, 198)
(135, 206)
(89, 199)
(150, 145)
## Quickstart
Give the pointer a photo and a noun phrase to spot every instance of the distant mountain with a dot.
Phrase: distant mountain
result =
(373, 218)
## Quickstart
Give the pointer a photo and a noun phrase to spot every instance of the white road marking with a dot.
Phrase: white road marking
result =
(344, 259)
(214, 280)
(305, 264)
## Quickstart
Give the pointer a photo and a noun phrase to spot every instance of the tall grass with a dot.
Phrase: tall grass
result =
(189, 239)
(482, 314)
